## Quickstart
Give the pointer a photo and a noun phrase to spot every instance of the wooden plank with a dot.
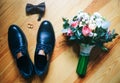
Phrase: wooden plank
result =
(103, 68)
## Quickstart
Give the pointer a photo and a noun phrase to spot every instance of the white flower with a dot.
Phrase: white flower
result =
(90, 34)
(92, 26)
(80, 15)
(99, 22)
(92, 18)
(83, 20)
(97, 15)
(65, 30)
(70, 21)
(81, 24)
(94, 34)
(99, 19)
(86, 16)
(83, 16)
(87, 21)
(105, 25)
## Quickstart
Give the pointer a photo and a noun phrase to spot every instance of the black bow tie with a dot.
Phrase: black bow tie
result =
(36, 9)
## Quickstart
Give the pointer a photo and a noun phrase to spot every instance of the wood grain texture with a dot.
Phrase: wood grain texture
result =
(102, 68)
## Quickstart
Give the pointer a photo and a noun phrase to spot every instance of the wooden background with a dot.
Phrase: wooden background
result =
(103, 67)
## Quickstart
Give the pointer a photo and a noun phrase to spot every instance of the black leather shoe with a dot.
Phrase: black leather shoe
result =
(18, 44)
(46, 42)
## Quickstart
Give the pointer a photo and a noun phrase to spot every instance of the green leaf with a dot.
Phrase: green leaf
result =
(75, 18)
(114, 35)
(64, 19)
(102, 34)
(72, 38)
(104, 48)
(74, 30)
(92, 41)
(66, 24)
(78, 32)
(113, 32)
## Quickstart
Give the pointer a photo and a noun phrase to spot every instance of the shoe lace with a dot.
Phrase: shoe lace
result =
(47, 48)
(20, 49)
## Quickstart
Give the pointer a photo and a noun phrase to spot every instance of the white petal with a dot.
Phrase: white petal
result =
(98, 15)
(95, 34)
(90, 34)
(64, 30)
(92, 26)
(105, 25)
(99, 24)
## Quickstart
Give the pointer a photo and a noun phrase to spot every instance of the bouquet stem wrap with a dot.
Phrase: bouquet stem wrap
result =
(85, 50)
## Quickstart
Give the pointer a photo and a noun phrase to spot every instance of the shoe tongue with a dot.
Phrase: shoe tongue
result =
(23, 64)
(22, 59)
(41, 61)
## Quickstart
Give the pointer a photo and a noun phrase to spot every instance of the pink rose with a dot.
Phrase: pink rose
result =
(74, 24)
(86, 31)
(69, 32)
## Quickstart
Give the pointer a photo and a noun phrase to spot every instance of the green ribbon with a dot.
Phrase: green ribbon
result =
(82, 65)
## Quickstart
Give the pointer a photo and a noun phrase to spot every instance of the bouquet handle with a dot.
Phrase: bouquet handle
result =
(82, 65)
(85, 50)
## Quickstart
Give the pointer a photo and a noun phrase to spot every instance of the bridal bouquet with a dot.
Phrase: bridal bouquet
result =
(89, 31)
